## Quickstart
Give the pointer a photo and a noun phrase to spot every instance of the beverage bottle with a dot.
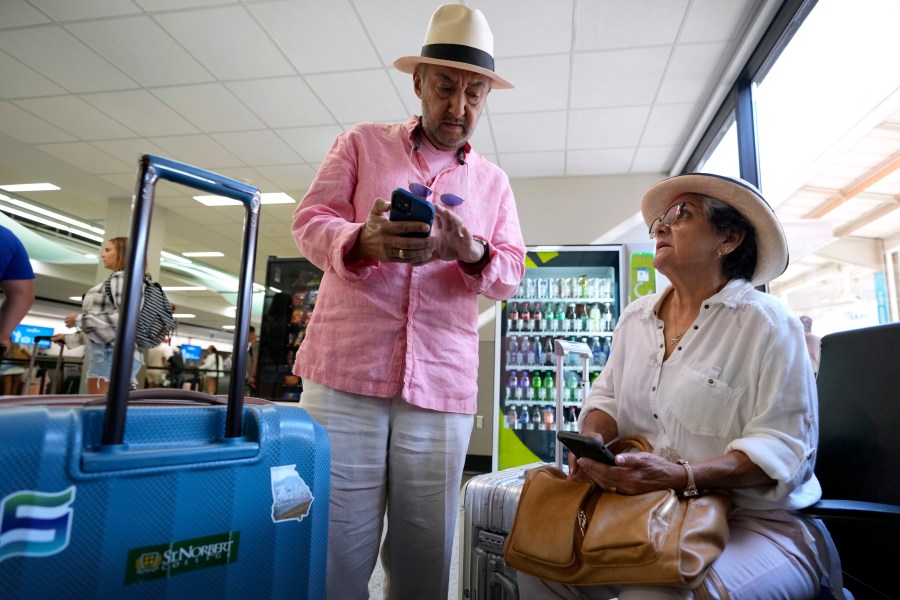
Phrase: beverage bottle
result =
(537, 318)
(582, 287)
(549, 318)
(569, 323)
(588, 342)
(553, 288)
(598, 356)
(512, 317)
(571, 419)
(542, 287)
(594, 375)
(530, 287)
(512, 418)
(595, 317)
(538, 387)
(549, 385)
(581, 318)
(525, 385)
(607, 317)
(547, 351)
(523, 417)
(572, 385)
(560, 318)
(512, 350)
(537, 352)
(548, 416)
(535, 417)
(512, 387)
(525, 323)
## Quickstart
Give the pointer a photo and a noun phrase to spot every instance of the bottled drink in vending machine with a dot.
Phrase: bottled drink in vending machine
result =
(549, 385)
(538, 386)
(607, 317)
(537, 353)
(512, 317)
(594, 319)
(553, 288)
(512, 386)
(548, 318)
(512, 418)
(530, 288)
(525, 323)
(573, 383)
(598, 355)
(537, 318)
(571, 419)
(569, 323)
(535, 417)
(582, 287)
(548, 416)
(560, 318)
(525, 385)
(512, 350)
(542, 288)
(523, 417)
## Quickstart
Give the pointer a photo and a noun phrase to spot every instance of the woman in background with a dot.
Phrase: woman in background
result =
(211, 365)
(98, 321)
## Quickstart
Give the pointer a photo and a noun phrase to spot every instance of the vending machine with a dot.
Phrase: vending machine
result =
(292, 288)
(574, 293)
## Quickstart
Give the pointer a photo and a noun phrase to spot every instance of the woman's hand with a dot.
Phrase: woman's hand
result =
(634, 473)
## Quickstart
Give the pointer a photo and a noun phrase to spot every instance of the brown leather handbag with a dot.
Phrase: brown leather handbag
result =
(573, 532)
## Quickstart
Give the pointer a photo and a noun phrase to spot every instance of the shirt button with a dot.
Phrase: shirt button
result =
(710, 381)
(696, 327)
(706, 306)
(655, 416)
(660, 345)
(653, 389)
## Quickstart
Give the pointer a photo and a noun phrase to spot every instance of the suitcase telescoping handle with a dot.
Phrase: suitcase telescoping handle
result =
(150, 170)
(563, 348)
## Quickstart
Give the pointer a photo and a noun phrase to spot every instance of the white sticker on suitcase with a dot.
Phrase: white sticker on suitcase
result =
(35, 523)
(291, 497)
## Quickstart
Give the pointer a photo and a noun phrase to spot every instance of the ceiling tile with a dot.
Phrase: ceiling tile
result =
(156, 5)
(66, 10)
(199, 150)
(85, 157)
(606, 127)
(210, 107)
(318, 41)
(604, 162)
(509, 20)
(311, 143)
(27, 128)
(282, 102)
(124, 181)
(359, 96)
(714, 20)
(142, 49)
(142, 112)
(692, 69)
(396, 28)
(637, 74)
(74, 115)
(257, 147)
(627, 23)
(289, 178)
(62, 58)
(542, 131)
(129, 150)
(482, 141)
(652, 159)
(542, 83)
(667, 124)
(403, 83)
(228, 42)
(534, 164)
(20, 81)
(18, 13)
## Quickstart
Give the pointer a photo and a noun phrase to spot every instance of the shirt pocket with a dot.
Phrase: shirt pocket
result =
(703, 403)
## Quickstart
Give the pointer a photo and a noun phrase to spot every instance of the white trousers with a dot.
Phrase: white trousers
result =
(389, 455)
(765, 559)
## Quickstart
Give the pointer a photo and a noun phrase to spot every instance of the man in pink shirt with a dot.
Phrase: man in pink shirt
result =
(389, 361)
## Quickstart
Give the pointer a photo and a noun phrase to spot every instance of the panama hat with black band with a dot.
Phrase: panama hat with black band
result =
(458, 37)
(771, 243)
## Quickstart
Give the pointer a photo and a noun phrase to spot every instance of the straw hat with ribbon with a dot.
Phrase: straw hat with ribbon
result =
(459, 37)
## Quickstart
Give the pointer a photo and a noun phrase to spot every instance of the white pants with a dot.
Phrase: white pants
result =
(386, 453)
(765, 559)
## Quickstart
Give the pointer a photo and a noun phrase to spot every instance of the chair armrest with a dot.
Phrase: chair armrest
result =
(853, 510)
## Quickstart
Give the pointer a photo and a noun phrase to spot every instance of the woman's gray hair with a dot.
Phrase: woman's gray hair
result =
(741, 262)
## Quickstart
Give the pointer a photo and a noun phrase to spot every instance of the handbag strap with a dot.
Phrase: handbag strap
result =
(632, 443)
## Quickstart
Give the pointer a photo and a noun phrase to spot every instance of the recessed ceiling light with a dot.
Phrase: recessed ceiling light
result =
(183, 288)
(277, 198)
(184, 316)
(228, 327)
(76, 298)
(201, 254)
(175, 257)
(29, 187)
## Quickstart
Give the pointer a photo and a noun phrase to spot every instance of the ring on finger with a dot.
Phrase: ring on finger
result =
(401, 254)
(612, 489)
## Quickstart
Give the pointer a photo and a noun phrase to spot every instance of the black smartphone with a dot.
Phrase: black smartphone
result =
(587, 447)
(406, 206)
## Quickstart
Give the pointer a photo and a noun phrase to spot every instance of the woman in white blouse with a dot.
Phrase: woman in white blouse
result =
(715, 375)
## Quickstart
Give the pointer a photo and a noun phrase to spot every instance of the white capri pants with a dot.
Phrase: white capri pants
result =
(386, 453)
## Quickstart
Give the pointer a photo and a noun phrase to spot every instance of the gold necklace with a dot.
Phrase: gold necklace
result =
(675, 321)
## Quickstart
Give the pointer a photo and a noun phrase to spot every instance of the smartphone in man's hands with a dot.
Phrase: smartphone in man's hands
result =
(586, 447)
(406, 206)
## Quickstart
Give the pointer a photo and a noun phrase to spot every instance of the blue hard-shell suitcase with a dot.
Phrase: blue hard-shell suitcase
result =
(194, 498)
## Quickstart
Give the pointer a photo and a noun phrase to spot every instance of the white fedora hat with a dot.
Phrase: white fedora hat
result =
(771, 243)
(459, 37)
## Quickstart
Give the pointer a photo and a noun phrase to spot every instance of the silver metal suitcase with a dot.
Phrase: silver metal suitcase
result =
(488, 503)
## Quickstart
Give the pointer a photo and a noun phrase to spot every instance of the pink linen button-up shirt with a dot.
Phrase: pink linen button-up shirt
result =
(389, 329)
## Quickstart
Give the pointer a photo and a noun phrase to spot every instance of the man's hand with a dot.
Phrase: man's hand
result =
(454, 240)
(383, 239)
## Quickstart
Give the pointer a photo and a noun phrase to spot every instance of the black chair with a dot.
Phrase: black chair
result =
(858, 461)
